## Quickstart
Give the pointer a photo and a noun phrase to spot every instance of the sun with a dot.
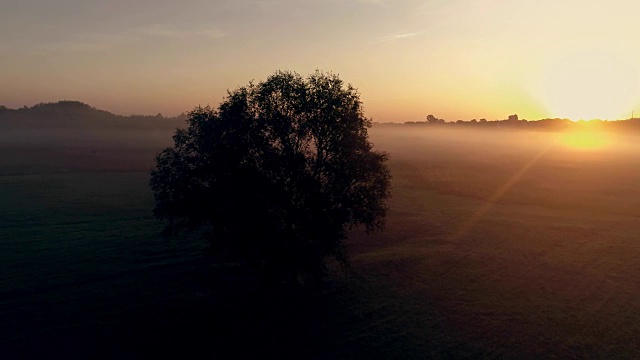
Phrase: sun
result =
(590, 85)
(584, 140)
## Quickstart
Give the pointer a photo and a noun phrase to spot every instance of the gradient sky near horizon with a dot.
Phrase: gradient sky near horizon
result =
(456, 59)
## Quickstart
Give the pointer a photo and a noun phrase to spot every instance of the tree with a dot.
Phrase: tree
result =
(434, 120)
(277, 173)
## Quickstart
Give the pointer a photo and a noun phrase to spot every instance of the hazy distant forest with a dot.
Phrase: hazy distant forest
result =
(72, 136)
(502, 241)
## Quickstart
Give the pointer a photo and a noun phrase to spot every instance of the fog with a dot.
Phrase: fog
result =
(490, 232)
(595, 172)
(425, 154)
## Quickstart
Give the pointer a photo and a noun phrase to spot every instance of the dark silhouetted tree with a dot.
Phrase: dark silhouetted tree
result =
(434, 120)
(278, 173)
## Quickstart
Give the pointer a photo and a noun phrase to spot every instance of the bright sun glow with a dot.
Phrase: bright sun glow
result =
(584, 140)
(590, 85)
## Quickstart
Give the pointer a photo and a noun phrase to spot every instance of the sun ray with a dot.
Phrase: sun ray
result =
(493, 199)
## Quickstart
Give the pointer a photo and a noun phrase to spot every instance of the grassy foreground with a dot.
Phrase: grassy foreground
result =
(521, 249)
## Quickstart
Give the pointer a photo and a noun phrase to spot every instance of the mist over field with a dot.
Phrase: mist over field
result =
(71, 136)
(418, 179)
(527, 240)
(499, 243)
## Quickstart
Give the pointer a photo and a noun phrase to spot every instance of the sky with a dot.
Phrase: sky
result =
(455, 59)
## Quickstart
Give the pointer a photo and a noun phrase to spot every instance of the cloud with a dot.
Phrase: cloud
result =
(88, 43)
(158, 30)
(398, 36)
(373, 2)
(211, 32)
(268, 4)
(100, 42)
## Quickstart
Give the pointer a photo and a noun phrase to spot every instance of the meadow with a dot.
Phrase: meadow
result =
(499, 244)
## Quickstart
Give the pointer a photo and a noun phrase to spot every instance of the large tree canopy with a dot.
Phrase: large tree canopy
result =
(278, 172)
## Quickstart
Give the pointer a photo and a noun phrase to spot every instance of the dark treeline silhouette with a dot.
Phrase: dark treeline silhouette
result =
(71, 136)
(513, 122)
(79, 116)
(76, 114)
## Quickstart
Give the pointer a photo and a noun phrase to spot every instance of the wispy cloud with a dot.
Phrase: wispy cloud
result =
(268, 4)
(99, 42)
(211, 32)
(373, 2)
(158, 30)
(398, 36)
(88, 43)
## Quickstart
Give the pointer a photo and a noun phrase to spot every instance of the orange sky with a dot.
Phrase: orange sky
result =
(452, 58)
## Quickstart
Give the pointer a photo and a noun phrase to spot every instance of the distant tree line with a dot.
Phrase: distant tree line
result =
(77, 115)
(68, 114)
(513, 121)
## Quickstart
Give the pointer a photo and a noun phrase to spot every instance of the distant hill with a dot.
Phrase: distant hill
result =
(75, 114)
(73, 123)
(71, 136)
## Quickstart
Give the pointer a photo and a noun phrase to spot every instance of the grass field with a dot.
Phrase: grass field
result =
(498, 245)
